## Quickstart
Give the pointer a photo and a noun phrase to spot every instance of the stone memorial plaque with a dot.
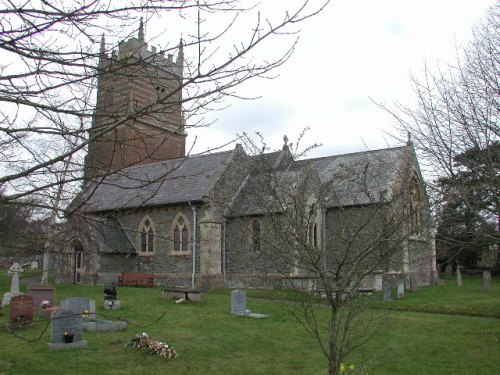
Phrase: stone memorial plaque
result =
(401, 289)
(387, 291)
(459, 277)
(70, 321)
(42, 293)
(21, 309)
(80, 304)
(64, 320)
(486, 281)
(238, 301)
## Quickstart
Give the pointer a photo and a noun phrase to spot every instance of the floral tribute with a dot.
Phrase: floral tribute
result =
(146, 342)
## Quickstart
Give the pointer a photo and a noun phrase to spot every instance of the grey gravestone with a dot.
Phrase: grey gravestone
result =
(64, 320)
(486, 281)
(449, 270)
(80, 304)
(238, 301)
(401, 289)
(387, 291)
(459, 277)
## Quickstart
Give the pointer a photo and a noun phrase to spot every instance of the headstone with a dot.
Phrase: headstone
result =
(401, 288)
(66, 322)
(387, 291)
(21, 309)
(486, 281)
(81, 305)
(459, 277)
(14, 271)
(238, 301)
(42, 293)
(377, 282)
(449, 270)
(34, 265)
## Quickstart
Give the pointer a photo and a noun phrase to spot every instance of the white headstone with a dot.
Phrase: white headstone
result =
(14, 271)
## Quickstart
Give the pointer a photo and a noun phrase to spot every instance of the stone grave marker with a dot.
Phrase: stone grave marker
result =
(238, 301)
(401, 288)
(14, 271)
(459, 277)
(449, 270)
(42, 293)
(239, 305)
(387, 291)
(486, 281)
(66, 321)
(21, 309)
(80, 304)
(34, 265)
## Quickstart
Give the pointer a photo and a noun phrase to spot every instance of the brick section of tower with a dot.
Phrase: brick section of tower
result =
(138, 116)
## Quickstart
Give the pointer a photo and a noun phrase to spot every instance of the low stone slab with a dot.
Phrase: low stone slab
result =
(104, 325)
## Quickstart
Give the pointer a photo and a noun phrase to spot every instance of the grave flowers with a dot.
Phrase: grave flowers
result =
(146, 342)
(68, 337)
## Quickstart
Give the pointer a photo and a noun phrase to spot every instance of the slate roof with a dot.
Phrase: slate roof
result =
(116, 240)
(362, 177)
(157, 184)
(352, 179)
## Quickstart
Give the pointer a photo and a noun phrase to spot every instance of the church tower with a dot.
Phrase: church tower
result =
(138, 116)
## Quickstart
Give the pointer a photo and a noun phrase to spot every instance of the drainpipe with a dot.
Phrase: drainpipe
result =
(224, 251)
(193, 275)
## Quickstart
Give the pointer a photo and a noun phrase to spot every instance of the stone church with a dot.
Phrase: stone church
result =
(204, 221)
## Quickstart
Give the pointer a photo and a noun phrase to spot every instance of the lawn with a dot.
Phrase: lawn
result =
(416, 337)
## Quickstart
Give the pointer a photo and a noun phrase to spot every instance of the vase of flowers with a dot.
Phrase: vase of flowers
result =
(68, 337)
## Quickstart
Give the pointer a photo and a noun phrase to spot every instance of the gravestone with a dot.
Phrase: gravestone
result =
(42, 293)
(449, 270)
(80, 304)
(238, 301)
(34, 265)
(401, 288)
(377, 282)
(21, 309)
(459, 277)
(387, 291)
(14, 271)
(486, 281)
(70, 321)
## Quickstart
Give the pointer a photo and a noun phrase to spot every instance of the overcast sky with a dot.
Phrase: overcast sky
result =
(353, 51)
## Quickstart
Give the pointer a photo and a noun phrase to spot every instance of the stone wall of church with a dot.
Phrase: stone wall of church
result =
(164, 260)
(420, 261)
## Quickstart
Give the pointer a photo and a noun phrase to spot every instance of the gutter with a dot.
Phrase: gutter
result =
(193, 275)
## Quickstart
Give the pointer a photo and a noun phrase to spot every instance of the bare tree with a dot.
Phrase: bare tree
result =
(454, 127)
(50, 69)
(332, 227)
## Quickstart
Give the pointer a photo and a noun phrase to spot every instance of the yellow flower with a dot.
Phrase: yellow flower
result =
(342, 368)
(351, 367)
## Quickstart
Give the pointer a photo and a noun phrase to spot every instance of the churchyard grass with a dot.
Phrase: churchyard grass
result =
(422, 339)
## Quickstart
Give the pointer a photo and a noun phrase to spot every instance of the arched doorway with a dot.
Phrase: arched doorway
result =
(78, 261)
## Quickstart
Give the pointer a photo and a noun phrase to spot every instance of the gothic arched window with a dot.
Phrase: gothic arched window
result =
(180, 234)
(147, 237)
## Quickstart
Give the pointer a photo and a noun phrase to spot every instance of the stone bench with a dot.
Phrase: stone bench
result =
(187, 294)
(135, 279)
